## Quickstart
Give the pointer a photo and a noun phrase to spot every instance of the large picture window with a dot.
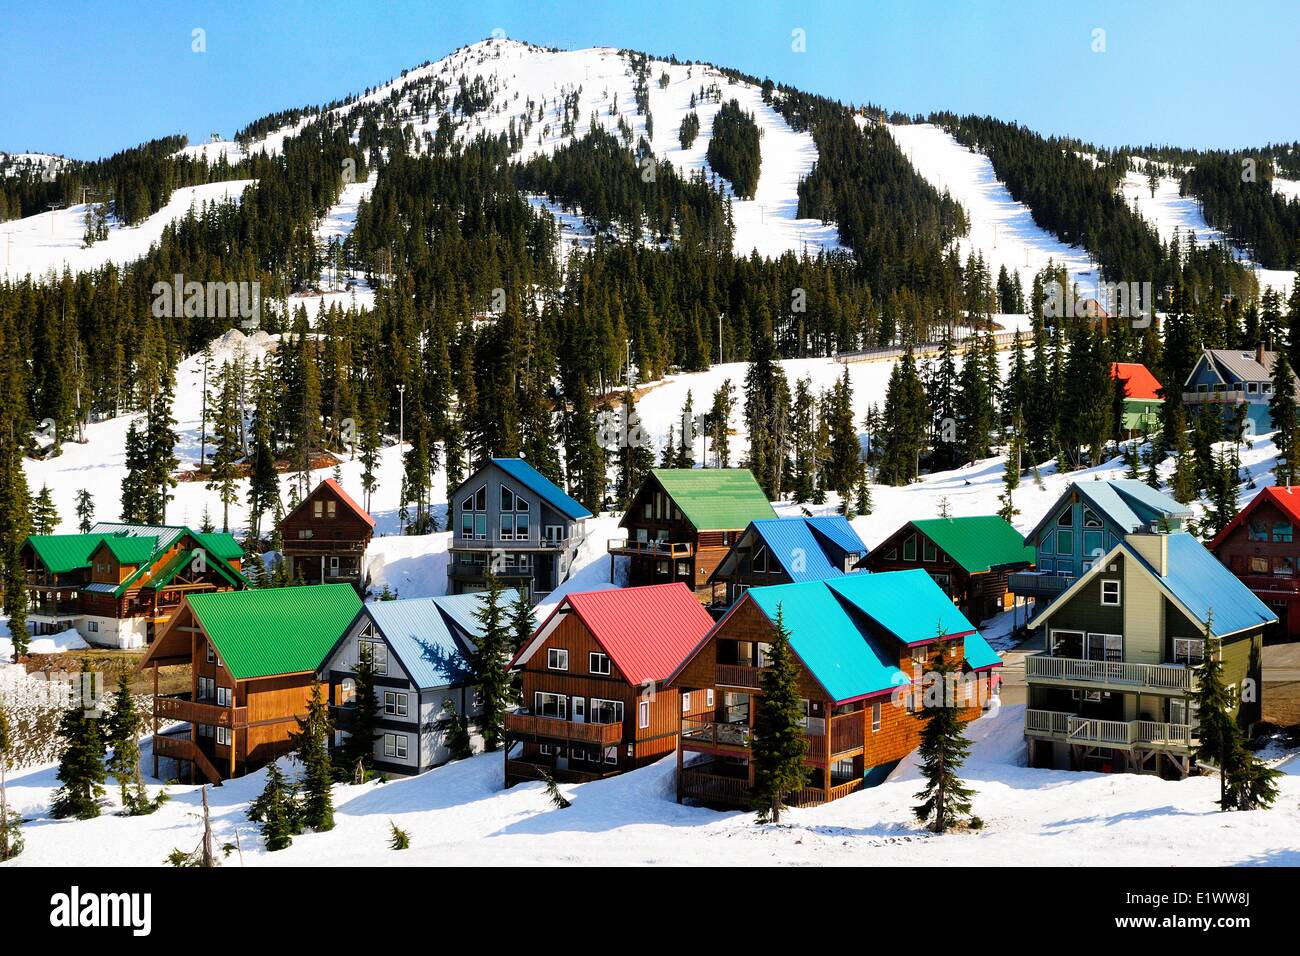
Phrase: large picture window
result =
(378, 655)
(551, 705)
(607, 711)
(473, 516)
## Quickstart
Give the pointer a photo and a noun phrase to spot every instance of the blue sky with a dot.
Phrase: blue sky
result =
(85, 79)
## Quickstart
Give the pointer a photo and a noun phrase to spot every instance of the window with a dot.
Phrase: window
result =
(1258, 530)
(473, 519)
(395, 746)
(317, 508)
(1092, 696)
(378, 655)
(909, 548)
(1110, 593)
(394, 704)
(1105, 647)
(223, 696)
(611, 755)
(1284, 566)
(929, 552)
(643, 714)
(919, 654)
(207, 688)
(1064, 569)
(1282, 532)
(708, 697)
(551, 705)
(760, 561)
(94, 627)
(686, 702)
(1259, 565)
(875, 717)
(598, 663)
(305, 534)
(1064, 542)
(605, 711)
(223, 736)
(1090, 519)
(557, 659)
(211, 654)
(1189, 650)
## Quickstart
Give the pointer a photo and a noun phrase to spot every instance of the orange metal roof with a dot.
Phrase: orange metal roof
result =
(1137, 379)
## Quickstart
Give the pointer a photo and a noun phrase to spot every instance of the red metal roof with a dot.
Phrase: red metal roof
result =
(647, 631)
(343, 496)
(1286, 497)
(1137, 378)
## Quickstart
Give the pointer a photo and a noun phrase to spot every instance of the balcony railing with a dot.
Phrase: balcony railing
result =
(555, 728)
(1069, 670)
(739, 675)
(1072, 728)
(493, 541)
(1029, 583)
(198, 712)
(660, 550)
(323, 546)
(715, 734)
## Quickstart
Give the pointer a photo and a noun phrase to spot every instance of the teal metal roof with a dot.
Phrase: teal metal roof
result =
(906, 604)
(532, 479)
(1128, 504)
(979, 654)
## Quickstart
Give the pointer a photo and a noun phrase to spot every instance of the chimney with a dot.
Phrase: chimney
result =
(1259, 354)
(1151, 545)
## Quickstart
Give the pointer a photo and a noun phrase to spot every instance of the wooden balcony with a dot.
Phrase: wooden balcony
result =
(323, 546)
(517, 770)
(180, 707)
(182, 748)
(657, 550)
(1121, 734)
(739, 675)
(1118, 675)
(523, 724)
(701, 782)
(714, 734)
(1037, 583)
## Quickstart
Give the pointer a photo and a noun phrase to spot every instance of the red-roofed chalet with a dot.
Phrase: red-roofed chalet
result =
(1261, 546)
(326, 536)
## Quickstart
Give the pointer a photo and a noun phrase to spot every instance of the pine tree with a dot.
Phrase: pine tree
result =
(903, 423)
(865, 504)
(311, 749)
(558, 800)
(944, 747)
(275, 811)
(780, 744)
(362, 721)
(398, 839)
(124, 725)
(81, 765)
(490, 660)
(85, 511)
(1282, 409)
(11, 838)
(1011, 470)
(45, 517)
(456, 737)
(227, 444)
(719, 424)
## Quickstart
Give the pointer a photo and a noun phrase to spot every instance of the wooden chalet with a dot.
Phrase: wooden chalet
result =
(970, 559)
(864, 643)
(119, 583)
(253, 657)
(594, 704)
(1261, 546)
(683, 521)
(326, 536)
(1143, 397)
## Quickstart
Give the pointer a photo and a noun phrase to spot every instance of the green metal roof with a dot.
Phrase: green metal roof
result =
(716, 499)
(221, 544)
(130, 550)
(61, 553)
(977, 542)
(180, 559)
(266, 631)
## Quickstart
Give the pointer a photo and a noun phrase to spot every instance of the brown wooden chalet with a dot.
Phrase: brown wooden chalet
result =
(326, 536)
(683, 521)
(863, 643)
(119, 583)
(253, 657)
(593, 704)
(1261, 546)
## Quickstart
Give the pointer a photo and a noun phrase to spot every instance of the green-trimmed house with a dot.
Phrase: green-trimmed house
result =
(1088, 520)
(1113, 688)
(422, 651)
(253, 657)
(117, 584)
(864, 643)
(683, 521)
(970, 558)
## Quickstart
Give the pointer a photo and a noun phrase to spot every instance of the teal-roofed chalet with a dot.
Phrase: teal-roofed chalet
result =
(1113, 688)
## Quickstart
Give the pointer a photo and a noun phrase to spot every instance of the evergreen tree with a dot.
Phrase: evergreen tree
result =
(357, 753)
(522, 622)
(902, 424)
(1011, 470)
(780, 744)
(227, 444)
(490, 660)
(311, 749)
(85, 511)
(844, 466)
(558, 800)
(11, 838)
(274, 809)
(1218, 734)
(81, 765)
(398, 838)
(944, 747)
(456, 737)
(124, 725)
(45, 517)
(1282, 409)
(719, 425)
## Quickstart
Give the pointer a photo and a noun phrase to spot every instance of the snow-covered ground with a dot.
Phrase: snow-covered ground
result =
(1001, 229)
(460, 815)
(37, 244)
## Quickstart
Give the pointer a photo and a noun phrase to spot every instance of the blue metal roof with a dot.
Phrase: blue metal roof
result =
(808, 549)
(1128, 504)
(99, 588)
(1199, 582)
(532, 479)
(836, 627)
(906, 604)
(837, 530)
(434, 637)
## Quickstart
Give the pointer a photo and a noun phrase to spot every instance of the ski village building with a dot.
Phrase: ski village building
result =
(786, 551)
(1262, 548)
(969, 558)
(253, 657)
(594, 699)
(421, 650)
(861, 641)
(120, 583)
(1113, 688)
(1232, 379)
(510, 519)
(326, 536)
(1088, 520)
(682, 523)
(1142, 397)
